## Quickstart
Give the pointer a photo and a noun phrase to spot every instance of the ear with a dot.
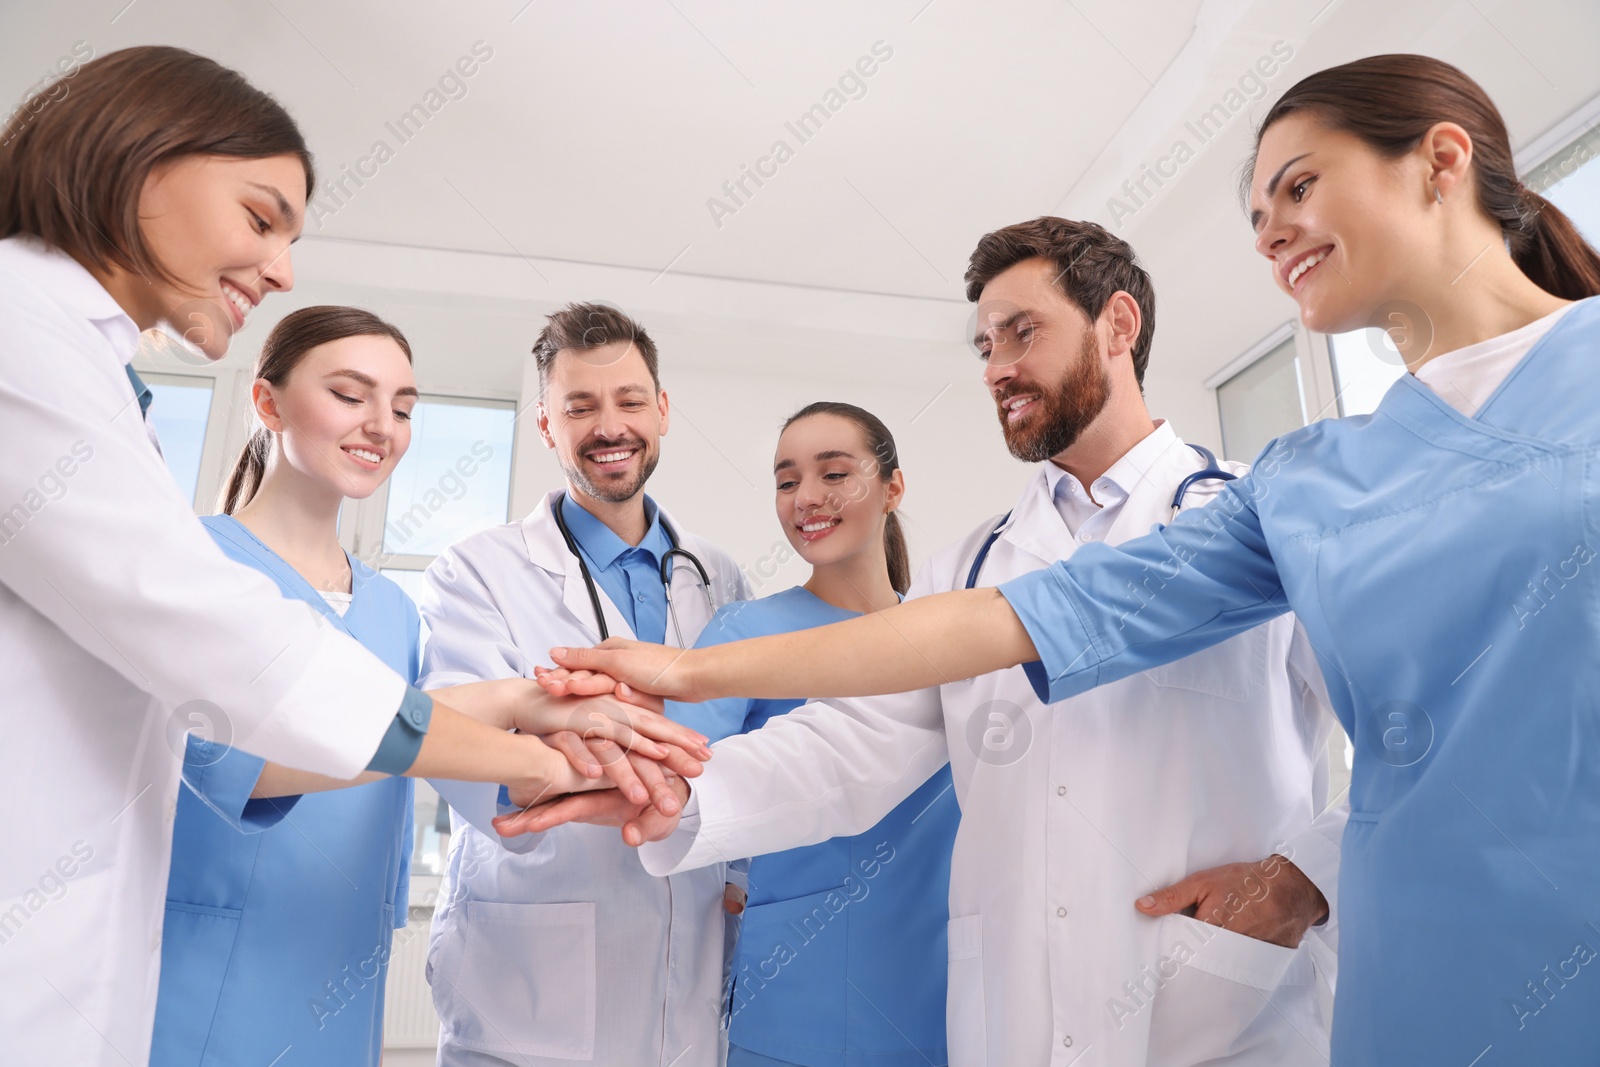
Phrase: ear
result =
(1447, 150)
(894, 491)
(266, 405)
(542, 414)
(1122, 321)
(662, 406)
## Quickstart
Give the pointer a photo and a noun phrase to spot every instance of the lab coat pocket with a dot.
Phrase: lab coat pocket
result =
(518, 978)
(1236, 957)
(1234, 670)
(965, 1007)
(196, 945)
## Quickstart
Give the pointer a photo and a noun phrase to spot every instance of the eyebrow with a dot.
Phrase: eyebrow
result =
(1006, 325)
(289, 214)
(826, 454)
(370, 382)
(621, 390)
(1272, 188)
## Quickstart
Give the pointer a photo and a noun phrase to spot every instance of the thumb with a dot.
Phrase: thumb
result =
(1174, 898)
(629, 695)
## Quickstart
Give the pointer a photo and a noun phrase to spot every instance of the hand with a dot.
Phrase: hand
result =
(733, 899)
(1270, 901)
(647, 733)
(562, 682)
(608, 807)
(647, 668)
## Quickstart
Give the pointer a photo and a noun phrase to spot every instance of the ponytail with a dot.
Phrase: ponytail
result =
(1552, 253)
(894, 547)
(247, 471)
(1390, 102)
(880, 442)
(296, 334)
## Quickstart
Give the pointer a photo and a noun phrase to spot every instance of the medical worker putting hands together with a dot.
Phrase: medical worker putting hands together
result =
(554, 947)
(1438, 552)
(1070, 815)
(162, 188)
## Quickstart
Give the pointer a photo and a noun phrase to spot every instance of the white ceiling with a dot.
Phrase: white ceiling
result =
(584, 152)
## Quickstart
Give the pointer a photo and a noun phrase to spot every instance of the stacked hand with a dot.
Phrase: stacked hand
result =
(598, 736)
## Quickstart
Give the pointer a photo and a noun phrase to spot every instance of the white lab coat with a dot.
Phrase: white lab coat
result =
(559, 946)
(122, 624)
(1069, 814)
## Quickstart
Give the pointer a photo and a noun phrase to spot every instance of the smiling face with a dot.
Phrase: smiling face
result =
(1342, 227)
(342, 416)
(830, 499)
(604, 416)
(222, 227)
(1042, 362)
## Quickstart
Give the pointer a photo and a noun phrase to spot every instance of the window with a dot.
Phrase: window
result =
(1264, 400)
(1365, 364)
(1570, 179)
(180, 410)
(454, 480)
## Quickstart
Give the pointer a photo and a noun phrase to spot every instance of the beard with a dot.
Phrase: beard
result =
(1064, 411)
(614, 491)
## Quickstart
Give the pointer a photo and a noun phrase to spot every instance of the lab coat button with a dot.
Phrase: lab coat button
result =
(1067, 1041)
(1061, 913)
(1061, 790)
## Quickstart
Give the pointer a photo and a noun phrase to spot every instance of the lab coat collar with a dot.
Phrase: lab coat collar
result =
(1131, 469)
(1150, 479)
(73, 287)
(548, 551)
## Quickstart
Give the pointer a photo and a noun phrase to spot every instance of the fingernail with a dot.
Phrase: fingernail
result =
(557, 653)
(1147, 903)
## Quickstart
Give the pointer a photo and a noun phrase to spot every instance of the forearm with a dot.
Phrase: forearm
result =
(279, 781)
(924, 642)
(459, 746)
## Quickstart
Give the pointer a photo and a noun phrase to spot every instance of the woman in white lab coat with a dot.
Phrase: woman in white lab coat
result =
(150, 186)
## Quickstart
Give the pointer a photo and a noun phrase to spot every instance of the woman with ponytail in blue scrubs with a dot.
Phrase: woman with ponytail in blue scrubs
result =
(841, 957)
(1440, 553)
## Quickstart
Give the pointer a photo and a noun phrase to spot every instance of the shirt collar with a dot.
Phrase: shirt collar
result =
(1124, 475)
(602, 546)
(73, 287)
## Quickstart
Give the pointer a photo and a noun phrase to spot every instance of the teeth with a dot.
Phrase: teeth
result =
(362, 453)
(240, 301)
(1016, 402)
(610, 457)
(1303, 266)
(819, 524)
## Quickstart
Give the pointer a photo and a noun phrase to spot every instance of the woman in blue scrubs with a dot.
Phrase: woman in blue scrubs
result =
(841, 957)
(1440, 553)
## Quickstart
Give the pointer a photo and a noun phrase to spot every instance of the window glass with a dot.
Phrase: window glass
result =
(454, 480)
(1261, 402)
(179, 409)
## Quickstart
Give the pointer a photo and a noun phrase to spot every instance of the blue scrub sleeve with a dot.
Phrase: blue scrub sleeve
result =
(403, 740)
(1107, 612)
(724, 717)
(224, 777)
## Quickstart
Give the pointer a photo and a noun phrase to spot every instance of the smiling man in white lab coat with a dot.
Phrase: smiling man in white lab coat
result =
(560, 946)
(1088, 828)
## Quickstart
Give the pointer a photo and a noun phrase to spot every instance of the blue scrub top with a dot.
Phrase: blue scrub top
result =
(280, 911)
(1444, 568)
(841, 959)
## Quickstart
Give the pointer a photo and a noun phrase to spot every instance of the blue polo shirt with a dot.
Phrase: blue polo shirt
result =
(629, 574)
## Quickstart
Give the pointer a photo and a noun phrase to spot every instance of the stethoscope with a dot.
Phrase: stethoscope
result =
(666, 573)
(1210, 472)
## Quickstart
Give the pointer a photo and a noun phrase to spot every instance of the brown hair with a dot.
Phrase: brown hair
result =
(1092, 264)
(288, 343)
(1390, 102)
(880, 442)
(585, 326)
(73, 164)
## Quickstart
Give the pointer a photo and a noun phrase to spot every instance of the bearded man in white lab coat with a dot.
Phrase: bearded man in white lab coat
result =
(1129, 886)
(556, 947)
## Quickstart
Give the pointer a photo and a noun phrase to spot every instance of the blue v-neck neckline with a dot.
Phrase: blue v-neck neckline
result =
(287, 576)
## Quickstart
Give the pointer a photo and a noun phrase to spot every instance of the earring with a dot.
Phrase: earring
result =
(1437, 195)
